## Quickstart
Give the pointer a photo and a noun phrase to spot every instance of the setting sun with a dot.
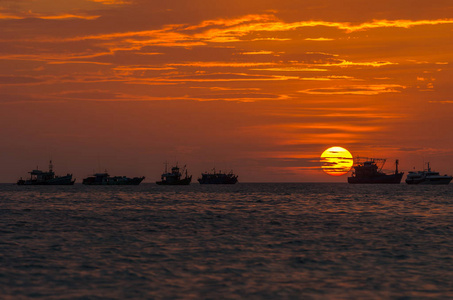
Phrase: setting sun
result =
(336, 161)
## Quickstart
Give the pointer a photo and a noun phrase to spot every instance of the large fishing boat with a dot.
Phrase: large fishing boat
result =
(174, 177)
(368, 171)
(218, 178)
(38, 177)
(427, 177)
(106, 179)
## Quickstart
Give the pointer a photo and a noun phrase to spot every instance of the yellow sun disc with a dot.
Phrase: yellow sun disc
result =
(336, 161)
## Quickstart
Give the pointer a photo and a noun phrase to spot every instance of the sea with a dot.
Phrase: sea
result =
(243, 241)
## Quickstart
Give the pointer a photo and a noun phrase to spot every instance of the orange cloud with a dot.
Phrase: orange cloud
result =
(46, 17)
(236, 30)
(213, 64)
(10, 17)
(268, 23)
(234, 21)
(257, 52)
(217, 77)
(292, 69)
(345, 63)
(141, 68)
(356, 90)
(67, 16)
(321, 39)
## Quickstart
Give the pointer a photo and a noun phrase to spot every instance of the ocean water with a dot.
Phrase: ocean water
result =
(245, 241)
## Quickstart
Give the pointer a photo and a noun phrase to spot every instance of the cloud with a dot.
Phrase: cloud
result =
(27, 15)
(213, 64)
(91, 95)
(240, 97)
(356, 90)
(321, 39)
(19, 80)
(262, 52)
(66, 16)
(345, 63)
(442, 102)
(142, 68)
(291, 69)
(234, 30)
(213, 77)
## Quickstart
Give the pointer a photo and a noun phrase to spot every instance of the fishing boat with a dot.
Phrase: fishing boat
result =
(175, 177)
(218, 178)
(38, 177)
(106, 179)
(427, 177)
(370, 171)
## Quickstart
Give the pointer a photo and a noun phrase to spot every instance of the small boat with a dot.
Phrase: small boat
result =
(218, 178)
(174, 177)
(427, 177)
(369, 172)
(106, 179)
(38, 177)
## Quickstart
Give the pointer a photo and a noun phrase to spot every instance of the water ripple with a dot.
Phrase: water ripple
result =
(314, 241)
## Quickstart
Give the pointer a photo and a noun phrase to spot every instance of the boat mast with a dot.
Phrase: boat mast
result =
(396, 166)
(50, 166)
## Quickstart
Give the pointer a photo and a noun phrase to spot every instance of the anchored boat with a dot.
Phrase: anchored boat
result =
(369, 171)
(218, 178)
(38, 177)
(106, 179)
(174, 177)
(427, 177)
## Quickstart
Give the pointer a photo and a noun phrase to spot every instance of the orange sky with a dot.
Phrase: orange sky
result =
(260, 87)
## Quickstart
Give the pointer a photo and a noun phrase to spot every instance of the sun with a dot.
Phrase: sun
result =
(336, 161)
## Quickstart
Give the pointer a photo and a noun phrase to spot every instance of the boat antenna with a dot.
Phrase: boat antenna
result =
(50, 166)
(396, 166)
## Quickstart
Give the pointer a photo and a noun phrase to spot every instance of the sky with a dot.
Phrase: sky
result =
(258, 87)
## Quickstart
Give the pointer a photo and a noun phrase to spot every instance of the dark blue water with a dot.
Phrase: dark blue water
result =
(257, 241)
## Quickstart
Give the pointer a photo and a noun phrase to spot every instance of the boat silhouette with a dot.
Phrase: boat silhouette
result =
(106, 179)
(218, 178)
(427, 177)
(38, 177)
(368, 171)
(174, 177)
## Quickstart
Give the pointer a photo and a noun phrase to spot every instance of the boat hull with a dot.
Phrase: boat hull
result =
(112, 181)
(430, 181)
(382, 179)
(218, 181)
(185, 181)
(63, 180)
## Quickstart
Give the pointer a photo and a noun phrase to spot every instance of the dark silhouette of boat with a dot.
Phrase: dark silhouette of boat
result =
(106, 179)
(369, 172)
(38, 177)
(427, 177)
(218, 178)
(174, 177)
